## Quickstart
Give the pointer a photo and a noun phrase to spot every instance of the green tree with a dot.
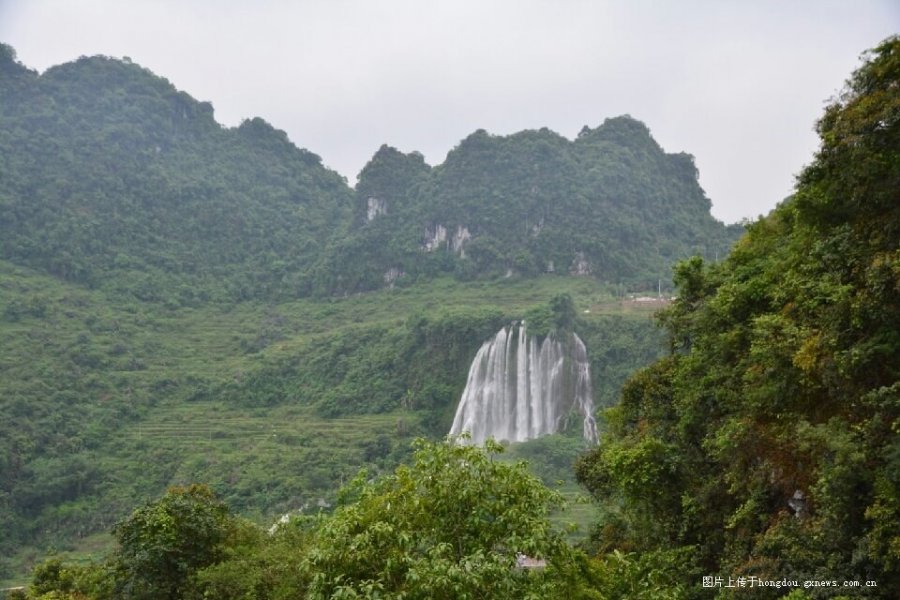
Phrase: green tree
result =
(259, 565)
(55, 579)
(163, 544)
(450, 526)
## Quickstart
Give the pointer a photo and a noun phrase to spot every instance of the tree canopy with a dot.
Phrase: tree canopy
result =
(451, 525)
(163, 544)
(767, 443)
(455, 524)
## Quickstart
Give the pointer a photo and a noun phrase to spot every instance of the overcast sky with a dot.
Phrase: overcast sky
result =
(737, 84)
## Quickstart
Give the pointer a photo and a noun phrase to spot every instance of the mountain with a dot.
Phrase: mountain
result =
(611, 204)
(112, 177)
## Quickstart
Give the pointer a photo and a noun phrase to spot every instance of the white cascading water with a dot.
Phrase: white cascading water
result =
(519, 389)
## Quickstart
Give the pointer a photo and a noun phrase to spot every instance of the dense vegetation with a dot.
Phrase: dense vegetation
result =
(611, 203)
(454, 524)
(766, 444)
(107, 402)
(113, 178)
(107, 169)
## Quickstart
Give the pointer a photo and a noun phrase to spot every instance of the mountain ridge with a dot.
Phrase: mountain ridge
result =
(145, 191)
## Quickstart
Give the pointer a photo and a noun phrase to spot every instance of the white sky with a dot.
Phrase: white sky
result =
(737, 84)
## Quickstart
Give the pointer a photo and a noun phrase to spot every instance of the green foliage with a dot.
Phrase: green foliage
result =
(258, 565)
(652, 576)
(618, 345)
(550, 457)
(113, 178)
(563, 310)
(420, 365)
(856, 167)
(453, 524)
(55, 579)
(539, 320)
(449, 526)
(557, 315)
(611, 201)
(766, 441)
(108, 403)
(160, 341)
(163, 545)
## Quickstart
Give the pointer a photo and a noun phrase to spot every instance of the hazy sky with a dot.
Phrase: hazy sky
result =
(737, 84)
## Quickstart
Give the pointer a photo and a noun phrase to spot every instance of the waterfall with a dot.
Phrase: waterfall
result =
(519, 389)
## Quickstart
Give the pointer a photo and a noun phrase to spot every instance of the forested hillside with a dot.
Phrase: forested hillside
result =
(611, 204)
(767, 443)
(111, 177)
(106, 403)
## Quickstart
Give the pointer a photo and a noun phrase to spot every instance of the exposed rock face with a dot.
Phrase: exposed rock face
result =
(459, 239)
(437, 236)
(434, 237)
(797, 503)
(392, 275)
(375, 207)
(580, 265)
(520, 388)
(522, 201)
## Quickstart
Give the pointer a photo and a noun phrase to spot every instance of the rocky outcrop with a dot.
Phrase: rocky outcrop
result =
(375, 207)
(438, 236)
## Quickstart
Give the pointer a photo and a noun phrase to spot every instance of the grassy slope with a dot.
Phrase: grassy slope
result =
(129, 390)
